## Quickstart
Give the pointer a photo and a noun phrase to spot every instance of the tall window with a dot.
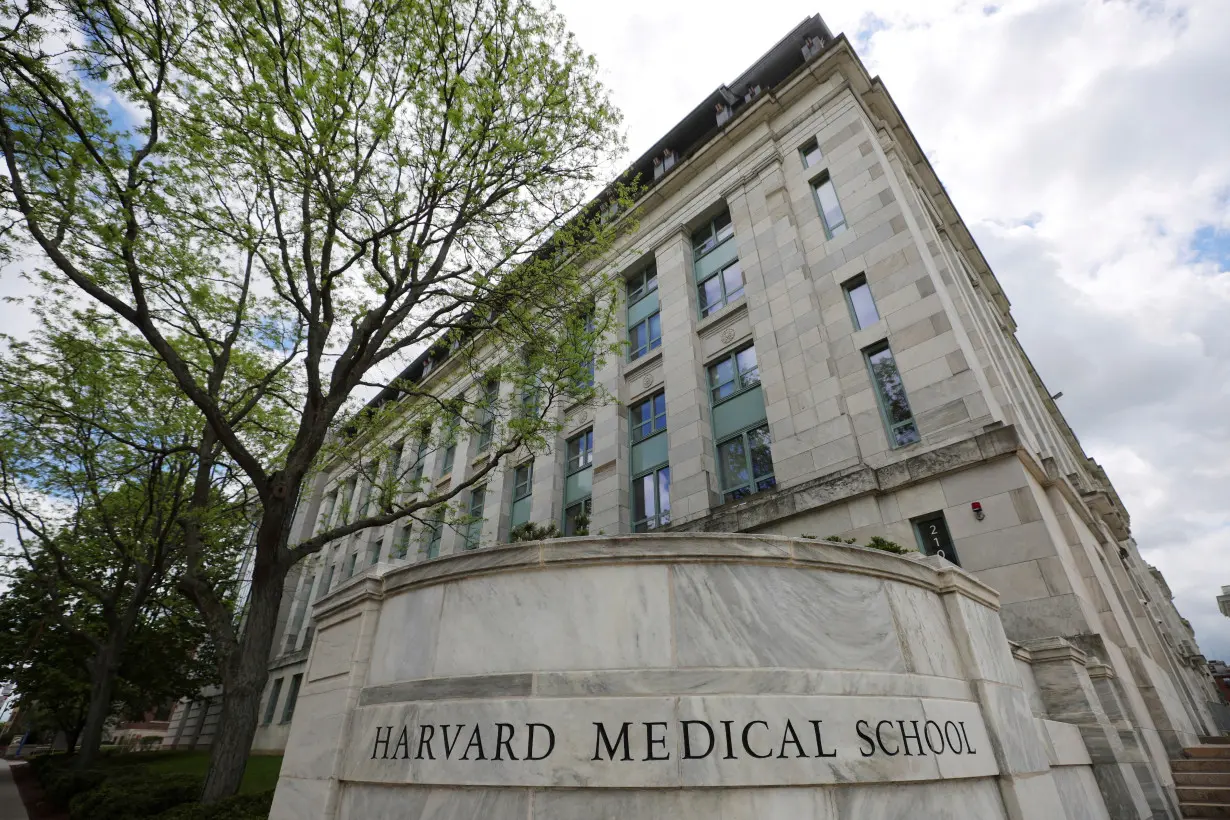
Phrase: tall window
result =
(810, 153)
(435, 532)
(890, 392)
(351, 561)
(644, 316)
(271, 706)
(576, 518)
(648, 417)
(829, 207)
(651, 500)
(450, 448)
(474, 529)
(394, 458)
(326, 511)
(486, 428)
(745, 463)
(420, 456)
(722, 288)
(585, 378)
(862, 305)
(327, 583)
(719, 277)
(733, 374)
(292, 697)
(580, 451)
(523, 488)
(401, 542)
(373, 551)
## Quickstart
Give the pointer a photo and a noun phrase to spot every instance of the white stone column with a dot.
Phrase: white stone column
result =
(693, 463)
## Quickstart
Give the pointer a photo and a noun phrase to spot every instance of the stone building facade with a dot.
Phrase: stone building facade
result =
(817, 348)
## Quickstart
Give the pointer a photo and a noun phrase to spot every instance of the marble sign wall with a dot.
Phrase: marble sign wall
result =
(675, 675)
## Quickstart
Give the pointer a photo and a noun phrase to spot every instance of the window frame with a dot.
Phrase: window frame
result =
(644, 275)
(714, 235)
(374, 555)
(420, 457)
(586, 455)
(587, 504)
(819, 181)
(401, 541)
(652, 343)
(741, 386)
(487, 401)
(474, 528)
(806, 148)
(890, 428)
(753, 482)
(434, 536)
(847, 289)
(528, 466)
(292, 698)
(660, 519)
(654, 430)
(726, 298)
(271, 706)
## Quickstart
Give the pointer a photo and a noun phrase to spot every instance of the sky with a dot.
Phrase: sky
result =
(1086, 143)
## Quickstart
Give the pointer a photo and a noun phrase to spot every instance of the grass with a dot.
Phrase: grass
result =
(260, 775)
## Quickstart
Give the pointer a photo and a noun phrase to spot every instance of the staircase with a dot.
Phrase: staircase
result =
(1202, 778)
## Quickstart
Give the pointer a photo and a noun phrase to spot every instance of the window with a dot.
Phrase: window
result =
(645, 335)
(642, 284)
(446, 463)
(644, 318)
(420, 457)
(486, 428)
(351, 561)
(651, 500)
(373, 551)
(894, 406)
(272, 705)
(810, 153)
(474, 529)
(580, 451)
(523, 488)
(830, 208)
(401, 542)
(745, 464)
(862, 305)
(648, 417)
(712, 233)
(394, 458)
(733, 374)
(364, 493)
(435, 532)
(326, 511)
(292, 695)
(933, 537)
(720, 289)
(576, 518)
(328, 582)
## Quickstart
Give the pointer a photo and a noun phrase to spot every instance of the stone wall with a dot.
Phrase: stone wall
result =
(643, 676)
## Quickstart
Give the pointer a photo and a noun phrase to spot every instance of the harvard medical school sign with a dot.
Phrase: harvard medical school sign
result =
(662, 742)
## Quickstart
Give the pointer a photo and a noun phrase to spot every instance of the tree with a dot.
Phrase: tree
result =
(51, 635)
(313, 191)
(96, 460)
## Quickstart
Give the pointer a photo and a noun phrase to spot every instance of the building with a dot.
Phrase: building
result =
(817, 348)
(1223, 601)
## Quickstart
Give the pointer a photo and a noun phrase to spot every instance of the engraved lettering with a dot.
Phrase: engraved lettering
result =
(651, 741)
(965, 737)
(927, 737)
(746, 746)
(730, 746)
(449, 744)
(529, 746)
(476, 739)
(426, 733)
(953, 735)
(403, 743)
(880, 739)
(871, 744)
(382, 742)
(815, 725)
(504, 744)
(602, 739)
(906, 738)
(789, 736)
(687, 739)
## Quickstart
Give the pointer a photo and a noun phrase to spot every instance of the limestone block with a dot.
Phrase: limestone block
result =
(408, 629)
(1031, 797)
(925, 636)
(1016, 582)
(366, 801)
(297, 798)
(1079, 792)
(976, 799)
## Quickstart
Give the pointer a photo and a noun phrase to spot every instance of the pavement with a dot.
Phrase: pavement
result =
(11, 807)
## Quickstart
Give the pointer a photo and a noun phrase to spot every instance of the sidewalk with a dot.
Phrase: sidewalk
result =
(11, 807)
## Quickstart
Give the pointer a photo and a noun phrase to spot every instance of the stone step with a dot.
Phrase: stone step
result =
(1200, 765)
(1205, 809)
(1211, 751)
(1222, 739)
(1216, 779)
(1204, 794)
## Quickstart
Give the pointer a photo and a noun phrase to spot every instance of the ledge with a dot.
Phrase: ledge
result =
(935, 575)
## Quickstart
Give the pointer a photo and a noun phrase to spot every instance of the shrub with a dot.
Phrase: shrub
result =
(529, 531)
(878, 543)
(61, 785)
(239, 807)
(135, 796)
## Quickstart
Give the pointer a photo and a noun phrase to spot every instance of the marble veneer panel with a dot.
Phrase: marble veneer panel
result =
(406, 636)
(364, 801)
(749, 615)
(607, 617)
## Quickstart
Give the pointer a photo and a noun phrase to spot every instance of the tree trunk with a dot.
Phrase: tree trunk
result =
(102, 683)
(70, 739)
(243, 680)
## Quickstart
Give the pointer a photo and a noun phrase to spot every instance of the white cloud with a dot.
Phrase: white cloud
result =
(1085, 145)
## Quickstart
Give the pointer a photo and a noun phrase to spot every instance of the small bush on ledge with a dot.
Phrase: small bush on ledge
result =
(876, 543)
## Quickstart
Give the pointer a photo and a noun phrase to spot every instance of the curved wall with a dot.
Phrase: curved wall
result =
(641, 676)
